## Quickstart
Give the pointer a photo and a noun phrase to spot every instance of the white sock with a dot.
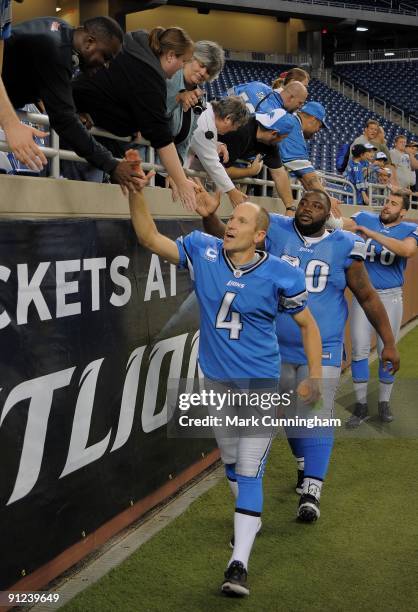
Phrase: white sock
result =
(360, 389)
(385, 391)
(312, 486)
(233, 485)
(245, 530)
(301, 463)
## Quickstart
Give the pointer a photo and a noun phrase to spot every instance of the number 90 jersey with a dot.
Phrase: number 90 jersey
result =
(238, 308)
(324, 263)
(386, 270)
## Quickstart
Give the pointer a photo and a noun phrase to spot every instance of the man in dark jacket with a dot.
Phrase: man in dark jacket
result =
(39, 60)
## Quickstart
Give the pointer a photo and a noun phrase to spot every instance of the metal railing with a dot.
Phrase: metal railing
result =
(378, 193)
(361, 7)
(269, 57)
(375, 55)
(339, 186)
(352, 91)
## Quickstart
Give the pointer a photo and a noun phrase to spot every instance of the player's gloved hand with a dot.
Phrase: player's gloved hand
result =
(310, 391)
(391, 359)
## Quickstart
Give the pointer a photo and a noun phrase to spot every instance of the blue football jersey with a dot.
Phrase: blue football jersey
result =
(354, 173)
(257, 96)
(294, 151)
(238, 308)
(324, 264)
(386, 270)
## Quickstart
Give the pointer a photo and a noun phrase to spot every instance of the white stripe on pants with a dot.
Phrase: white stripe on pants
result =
(361, 328)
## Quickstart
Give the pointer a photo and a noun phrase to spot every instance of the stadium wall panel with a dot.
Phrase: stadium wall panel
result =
(238, 31)
(91, 330)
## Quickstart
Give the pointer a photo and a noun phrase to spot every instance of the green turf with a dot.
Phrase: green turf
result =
(360, 556)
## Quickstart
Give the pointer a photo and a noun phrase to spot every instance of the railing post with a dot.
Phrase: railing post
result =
(152, 161)
(264, 177)
(403, 119)
(55, 161)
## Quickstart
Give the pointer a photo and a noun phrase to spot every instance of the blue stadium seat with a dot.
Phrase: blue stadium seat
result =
(345, 117)
(395, 82)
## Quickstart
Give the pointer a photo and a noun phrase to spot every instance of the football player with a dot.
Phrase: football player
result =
(331, 261)
(239, 290)
(390, 241)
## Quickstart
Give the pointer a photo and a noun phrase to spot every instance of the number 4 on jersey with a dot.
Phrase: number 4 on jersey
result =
(234, 323)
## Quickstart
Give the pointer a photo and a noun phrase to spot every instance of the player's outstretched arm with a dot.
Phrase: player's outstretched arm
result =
(143, 223)
(147, 232)
(359, 283)
(310, 390)
(207, 205)
(349, 224)
(404, 248)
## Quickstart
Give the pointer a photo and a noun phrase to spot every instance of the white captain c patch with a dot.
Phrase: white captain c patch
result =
(211, 254)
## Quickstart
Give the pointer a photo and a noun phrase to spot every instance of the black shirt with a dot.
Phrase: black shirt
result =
(127, 97)
(243, 144)
(38, 65)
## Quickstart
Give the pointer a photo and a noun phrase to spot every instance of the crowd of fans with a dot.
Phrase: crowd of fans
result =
(375, 171)
(150, 85)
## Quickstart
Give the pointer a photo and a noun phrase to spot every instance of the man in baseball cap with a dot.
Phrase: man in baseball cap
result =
(278, 121)
(257, 141)
(315, 109)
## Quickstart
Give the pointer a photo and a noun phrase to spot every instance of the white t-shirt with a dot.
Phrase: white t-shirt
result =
(406, 177)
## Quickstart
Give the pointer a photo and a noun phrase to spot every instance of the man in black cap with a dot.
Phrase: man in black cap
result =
(39, 59)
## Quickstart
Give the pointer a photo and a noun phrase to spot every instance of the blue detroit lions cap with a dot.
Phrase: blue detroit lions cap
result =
(316, 110)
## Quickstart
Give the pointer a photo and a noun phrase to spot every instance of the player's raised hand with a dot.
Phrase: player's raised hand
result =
(310, 391)
(335, 208)
(362, 231)
(391, 359)
(140, 179)
(207, 203)
(236, 197)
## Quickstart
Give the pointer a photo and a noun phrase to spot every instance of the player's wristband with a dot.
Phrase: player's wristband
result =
(291, 208)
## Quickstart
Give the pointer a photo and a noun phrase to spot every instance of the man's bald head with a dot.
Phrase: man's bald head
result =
(294, 96)
(259, 214)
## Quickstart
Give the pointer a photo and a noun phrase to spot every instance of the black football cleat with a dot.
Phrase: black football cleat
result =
(299, 484)
(360, 414)
(385, 414)
(235, 583)
(308, 510)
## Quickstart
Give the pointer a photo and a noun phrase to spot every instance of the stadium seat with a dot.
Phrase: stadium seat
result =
(395, 82)
(345, 117)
